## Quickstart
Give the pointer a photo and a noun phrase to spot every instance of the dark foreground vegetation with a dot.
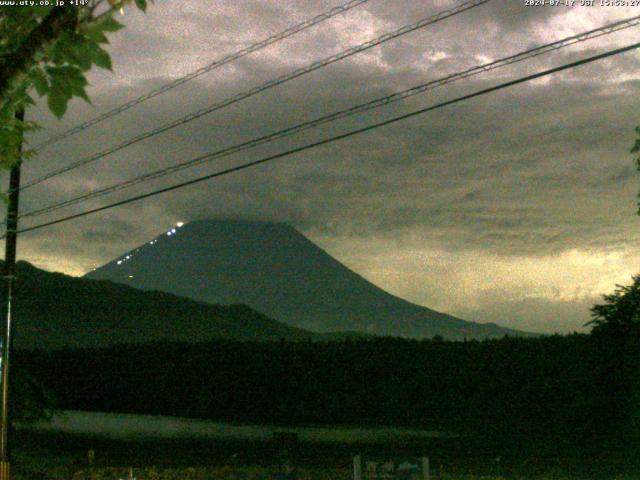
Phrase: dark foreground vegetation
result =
(563, 397)
(49, 457)
(523, 405)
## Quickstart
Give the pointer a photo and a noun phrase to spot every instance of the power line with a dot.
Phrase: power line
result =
(290, 31)
(337, 137)
(270, 84)
(379, 102)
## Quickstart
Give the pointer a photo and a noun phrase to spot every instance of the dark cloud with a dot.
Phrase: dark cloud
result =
(109, 231)
(532, 172)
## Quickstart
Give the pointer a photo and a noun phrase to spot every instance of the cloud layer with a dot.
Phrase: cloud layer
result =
(517, 207)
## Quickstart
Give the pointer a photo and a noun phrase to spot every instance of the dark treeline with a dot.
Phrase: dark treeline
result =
(561, 393)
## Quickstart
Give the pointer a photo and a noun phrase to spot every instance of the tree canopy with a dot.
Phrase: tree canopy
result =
(49, 49)
(620, 314)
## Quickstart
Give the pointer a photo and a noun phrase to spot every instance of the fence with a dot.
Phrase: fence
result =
(391, 469)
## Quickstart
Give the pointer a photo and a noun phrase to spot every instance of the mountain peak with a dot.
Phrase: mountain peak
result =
(276, 270)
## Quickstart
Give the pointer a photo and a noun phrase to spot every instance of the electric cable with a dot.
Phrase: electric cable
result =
(270, 84)
(376, 103)
(335, 138)
(205, 69)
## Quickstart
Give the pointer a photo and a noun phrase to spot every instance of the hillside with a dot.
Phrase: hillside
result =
(276, 270)
(53, 310)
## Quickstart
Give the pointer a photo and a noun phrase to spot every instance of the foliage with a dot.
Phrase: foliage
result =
(519, 394)
(616, 324)
(620, 314)
(205, 473)
(636, 149)
(31, 400)
(49, 49)
(46, 49)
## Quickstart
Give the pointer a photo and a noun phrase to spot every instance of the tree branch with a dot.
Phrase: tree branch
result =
(56, 22)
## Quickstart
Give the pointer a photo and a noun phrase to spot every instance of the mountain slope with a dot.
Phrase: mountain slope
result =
(276, 270)
(53, 310)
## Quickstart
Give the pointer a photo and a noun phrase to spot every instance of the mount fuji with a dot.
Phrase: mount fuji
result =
(274, 269)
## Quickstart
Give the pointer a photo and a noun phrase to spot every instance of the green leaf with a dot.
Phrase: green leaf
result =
(28, 100)
(66, 81)
(82, 52)
(96, 35)
(67, 77)
(39, 80)
(57, 101)
(102, 59)
(109, 24)
(142, 5)
(58, 52)
(83, 95)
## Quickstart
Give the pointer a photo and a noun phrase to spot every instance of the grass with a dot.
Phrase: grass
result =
(47, 455)
(246, 473)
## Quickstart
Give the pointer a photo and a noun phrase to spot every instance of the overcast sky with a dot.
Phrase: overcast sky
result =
(518, 207)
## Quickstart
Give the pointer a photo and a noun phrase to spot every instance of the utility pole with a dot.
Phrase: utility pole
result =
(8, 279)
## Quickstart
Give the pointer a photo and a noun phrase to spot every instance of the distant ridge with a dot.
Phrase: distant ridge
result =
(54, 311)
(276, 270)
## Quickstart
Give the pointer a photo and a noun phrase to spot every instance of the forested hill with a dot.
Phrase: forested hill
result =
(550, 396)
(53, 310)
